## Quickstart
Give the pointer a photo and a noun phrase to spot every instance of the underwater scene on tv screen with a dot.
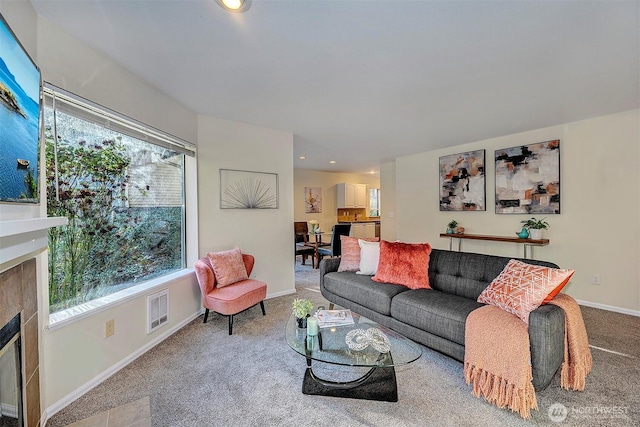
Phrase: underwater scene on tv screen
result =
(19, 118)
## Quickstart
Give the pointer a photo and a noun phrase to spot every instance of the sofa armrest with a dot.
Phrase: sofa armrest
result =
(546, 338)
(328, 265)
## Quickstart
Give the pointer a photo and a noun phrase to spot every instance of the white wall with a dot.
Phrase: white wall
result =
(328, 181)
(597, 231)
(388, 223)
(68, 63)
(264, 233)
(77, 356)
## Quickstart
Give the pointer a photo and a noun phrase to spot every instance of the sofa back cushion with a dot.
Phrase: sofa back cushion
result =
(350, 259)
(467, 274)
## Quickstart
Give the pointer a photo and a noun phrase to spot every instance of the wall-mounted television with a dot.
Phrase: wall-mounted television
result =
(20, 95)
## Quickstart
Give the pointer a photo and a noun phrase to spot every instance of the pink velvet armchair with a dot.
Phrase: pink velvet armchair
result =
(231, 299)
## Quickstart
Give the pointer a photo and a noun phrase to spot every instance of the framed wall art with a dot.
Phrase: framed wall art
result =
(20, 87)
(248, 190)
(528, 178)
(462, 182)
(313, 199)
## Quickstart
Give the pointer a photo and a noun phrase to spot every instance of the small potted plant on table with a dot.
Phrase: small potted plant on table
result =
(535, 227)
(301, 310)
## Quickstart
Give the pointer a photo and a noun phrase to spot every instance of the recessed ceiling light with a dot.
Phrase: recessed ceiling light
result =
(302, 158)
(234, 5)
(332, 162)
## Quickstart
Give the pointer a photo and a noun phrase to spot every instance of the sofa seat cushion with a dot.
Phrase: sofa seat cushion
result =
(435, 312)
(362, 290)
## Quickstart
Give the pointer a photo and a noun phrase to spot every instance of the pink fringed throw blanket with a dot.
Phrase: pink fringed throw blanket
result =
(577, 355)
(497, 356)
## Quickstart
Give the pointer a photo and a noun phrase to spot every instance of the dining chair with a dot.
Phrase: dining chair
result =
(335, 247)
(301, 239)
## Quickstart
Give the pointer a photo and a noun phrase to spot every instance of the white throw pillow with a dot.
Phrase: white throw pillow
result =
(369, 255)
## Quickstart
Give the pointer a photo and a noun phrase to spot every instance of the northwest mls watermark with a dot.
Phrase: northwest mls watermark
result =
(559, 412)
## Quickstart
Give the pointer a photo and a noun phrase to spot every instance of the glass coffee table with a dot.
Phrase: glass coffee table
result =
(372, 346)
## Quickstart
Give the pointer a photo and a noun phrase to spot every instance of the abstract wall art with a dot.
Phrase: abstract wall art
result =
(248, 190)
(313, 199)
(528, 178)
(462, 182)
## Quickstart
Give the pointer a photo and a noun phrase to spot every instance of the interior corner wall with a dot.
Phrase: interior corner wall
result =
(77, 356)
(388, 224)
(597, 231)
(264, 233)
(71, 65)
(328, 181)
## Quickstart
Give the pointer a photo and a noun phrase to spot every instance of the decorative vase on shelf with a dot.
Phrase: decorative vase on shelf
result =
(450, 231)
(535, 234)
(523, 234)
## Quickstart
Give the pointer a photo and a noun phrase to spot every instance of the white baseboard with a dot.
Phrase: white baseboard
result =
(68, 399)
(609, 308)
(10, 411)
(282, 293)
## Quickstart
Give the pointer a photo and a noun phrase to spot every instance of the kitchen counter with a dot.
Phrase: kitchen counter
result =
(363, 228)
(346, 220)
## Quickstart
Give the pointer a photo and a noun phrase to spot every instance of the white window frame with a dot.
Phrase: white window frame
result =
(129, 126)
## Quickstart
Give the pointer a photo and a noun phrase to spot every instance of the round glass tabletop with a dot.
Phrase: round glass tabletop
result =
(364, 343)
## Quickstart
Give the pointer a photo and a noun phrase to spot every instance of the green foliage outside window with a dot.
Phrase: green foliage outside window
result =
(107, 245)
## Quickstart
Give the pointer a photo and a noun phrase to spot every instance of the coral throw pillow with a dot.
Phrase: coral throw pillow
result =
(350, 252)
(228, 267)
(404, 264)
(369, 255)
(521, 288)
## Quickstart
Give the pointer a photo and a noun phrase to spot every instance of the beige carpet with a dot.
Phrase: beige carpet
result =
(201, 376)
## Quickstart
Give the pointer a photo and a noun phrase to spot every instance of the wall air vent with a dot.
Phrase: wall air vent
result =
(157, 310)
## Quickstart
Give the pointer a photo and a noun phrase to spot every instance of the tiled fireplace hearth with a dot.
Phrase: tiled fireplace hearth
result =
(23, 244)
(19, 303)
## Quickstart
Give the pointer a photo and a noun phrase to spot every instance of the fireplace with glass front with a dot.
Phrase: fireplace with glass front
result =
(10, 375)
(19, 356)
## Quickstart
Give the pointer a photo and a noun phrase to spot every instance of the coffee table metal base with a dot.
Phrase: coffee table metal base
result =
(377, 384)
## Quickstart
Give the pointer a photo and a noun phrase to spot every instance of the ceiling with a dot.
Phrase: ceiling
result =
(364, 82)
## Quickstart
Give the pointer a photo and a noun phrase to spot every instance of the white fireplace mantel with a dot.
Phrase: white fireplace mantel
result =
(23, 236)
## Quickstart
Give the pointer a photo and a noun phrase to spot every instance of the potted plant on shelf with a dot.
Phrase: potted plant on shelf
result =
(451, 227)
(301, 310)
(535, 227)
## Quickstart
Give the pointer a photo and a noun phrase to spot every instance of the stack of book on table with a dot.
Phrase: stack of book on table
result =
(328, 318)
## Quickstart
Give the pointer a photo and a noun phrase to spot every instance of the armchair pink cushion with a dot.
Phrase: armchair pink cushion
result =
(233, 299)
(228, 267)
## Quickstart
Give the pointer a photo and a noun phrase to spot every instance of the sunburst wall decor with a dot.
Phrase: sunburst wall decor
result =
(248, 190)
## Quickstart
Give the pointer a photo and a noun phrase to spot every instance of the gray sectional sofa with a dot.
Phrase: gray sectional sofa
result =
(436, 317)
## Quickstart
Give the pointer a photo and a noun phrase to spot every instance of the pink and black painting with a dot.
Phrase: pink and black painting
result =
(528, 178)
(462, 182)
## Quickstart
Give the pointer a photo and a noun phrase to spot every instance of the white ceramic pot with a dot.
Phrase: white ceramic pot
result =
(535, 233)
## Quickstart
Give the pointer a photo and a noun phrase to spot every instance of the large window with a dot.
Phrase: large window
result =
(121, 186)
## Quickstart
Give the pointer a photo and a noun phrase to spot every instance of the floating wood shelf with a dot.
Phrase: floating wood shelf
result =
(524, 242)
